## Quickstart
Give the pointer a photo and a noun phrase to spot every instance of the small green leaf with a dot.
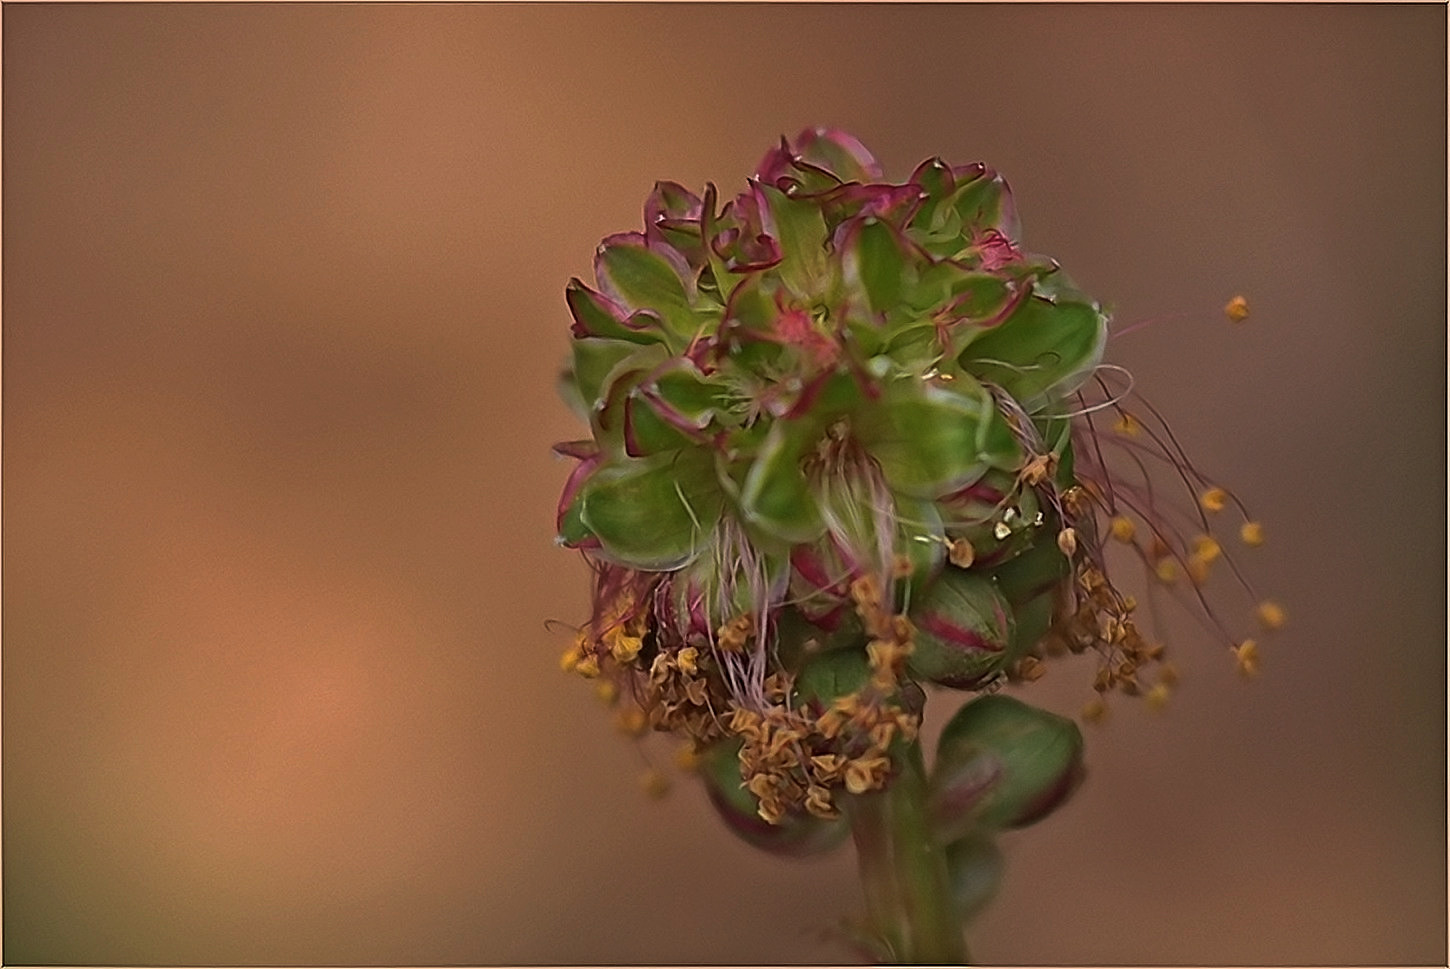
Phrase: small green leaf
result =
(985, 203)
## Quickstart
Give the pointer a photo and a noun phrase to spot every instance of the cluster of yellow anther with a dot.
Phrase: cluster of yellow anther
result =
(617, 633)
(791, 759)
(1103, 621)
(794, 758)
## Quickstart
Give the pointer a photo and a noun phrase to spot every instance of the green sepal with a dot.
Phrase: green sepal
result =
(572, 530)
(1038, 569)
(919, 538)
(645, 280)
(653, 513)
(979, 204)
(595, 318)
(801, 232)
(831, 675)
(874, 262)
(775, 496)
(1042, 350)
(595, 358)
(931, 440)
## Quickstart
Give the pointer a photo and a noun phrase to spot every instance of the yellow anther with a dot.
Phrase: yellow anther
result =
(1237, 309)
(569, 659)
(631, 721)
(1128, 426)
(606, 690)
(961, 554)
(1167, 571)
(1198, 570)
(655, 783)
(1067, 541)
(624, 647)
(1246, 657)
(1271, 614)
(1252, 534)
(1205, 548)
(1168, 674)
(1213, 499)
(865, 774)
(587, 666)
(687, 660)
(1123, 529)
(1095, 710)
(687, 757)
(1157, 696)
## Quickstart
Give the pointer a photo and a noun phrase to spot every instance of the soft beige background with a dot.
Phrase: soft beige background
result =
(282, 312)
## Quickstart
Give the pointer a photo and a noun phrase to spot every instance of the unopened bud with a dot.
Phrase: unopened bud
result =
(964, 628)
(1003, 764)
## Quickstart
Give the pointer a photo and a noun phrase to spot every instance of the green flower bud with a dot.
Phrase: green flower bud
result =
(964, 631)
(1002, 764)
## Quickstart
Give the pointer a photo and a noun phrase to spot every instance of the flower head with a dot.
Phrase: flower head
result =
(843, 441)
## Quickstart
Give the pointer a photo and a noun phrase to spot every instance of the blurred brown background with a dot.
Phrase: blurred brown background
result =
(282, 313)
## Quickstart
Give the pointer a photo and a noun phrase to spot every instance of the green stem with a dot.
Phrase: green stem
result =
(904, 870)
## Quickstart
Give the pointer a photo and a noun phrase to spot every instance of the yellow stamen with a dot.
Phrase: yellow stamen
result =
(1095, 710)
(961, 554)
(587, 666)
(687, 659)
(1067, 541)
(1157, 696)
(631, 721)
(1123, 529)
(606, 690)
(1198, 570)
(1246, 657)
(1271, 615)
(655, 784)
(1237, 309)
(687, 757)
(1205, 548)
(1127, 425)
(624, 647)
(1213, 499)
(1167, 571)
(1252, 533)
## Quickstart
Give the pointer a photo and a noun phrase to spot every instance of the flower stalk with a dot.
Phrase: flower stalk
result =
(904, 872)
